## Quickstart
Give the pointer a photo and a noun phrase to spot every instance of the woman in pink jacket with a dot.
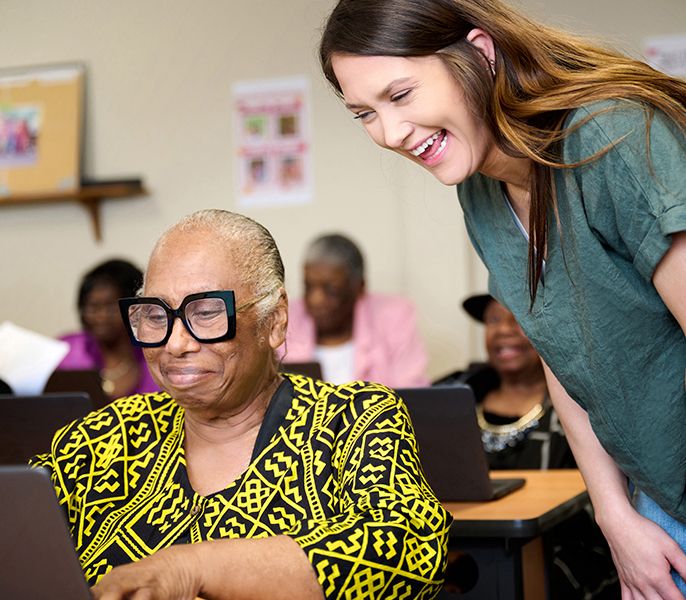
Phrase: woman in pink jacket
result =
(351, 333)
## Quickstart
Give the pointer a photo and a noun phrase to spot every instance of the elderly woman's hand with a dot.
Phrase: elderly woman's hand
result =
(170, 574)
(220, 569)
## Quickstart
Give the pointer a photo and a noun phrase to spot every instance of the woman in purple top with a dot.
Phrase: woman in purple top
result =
(104, 344)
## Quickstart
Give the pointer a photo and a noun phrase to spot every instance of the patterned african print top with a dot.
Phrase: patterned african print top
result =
(335, 468)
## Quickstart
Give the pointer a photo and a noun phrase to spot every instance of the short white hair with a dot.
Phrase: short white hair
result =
(254, 251)
(339, 250)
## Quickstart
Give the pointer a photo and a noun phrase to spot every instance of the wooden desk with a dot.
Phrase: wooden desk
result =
(504, 536)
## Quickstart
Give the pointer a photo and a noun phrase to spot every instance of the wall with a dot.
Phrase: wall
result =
(159, 97)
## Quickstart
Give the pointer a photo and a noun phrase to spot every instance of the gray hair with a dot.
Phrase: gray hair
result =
(253, 249)
(337, 249)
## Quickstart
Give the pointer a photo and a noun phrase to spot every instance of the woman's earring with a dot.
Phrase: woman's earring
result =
(491, 61)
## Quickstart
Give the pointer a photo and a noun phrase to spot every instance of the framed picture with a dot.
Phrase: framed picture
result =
(41, 129)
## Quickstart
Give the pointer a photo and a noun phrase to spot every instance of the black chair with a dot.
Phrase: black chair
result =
(4, 388)
(28, 423)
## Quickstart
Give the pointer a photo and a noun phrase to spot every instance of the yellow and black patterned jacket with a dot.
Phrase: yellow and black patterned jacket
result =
(334, 467)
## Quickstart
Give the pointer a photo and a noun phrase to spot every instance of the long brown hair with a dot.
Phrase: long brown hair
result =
(541, 74)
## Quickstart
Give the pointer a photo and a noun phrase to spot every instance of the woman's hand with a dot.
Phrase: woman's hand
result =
(644, 556)
(167, 575)
(642, 551)
(272, 568)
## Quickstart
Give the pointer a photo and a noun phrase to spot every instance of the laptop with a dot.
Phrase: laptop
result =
(309, 369)
(86, 380)
(37, 556)
(450, 448)
(28, 423)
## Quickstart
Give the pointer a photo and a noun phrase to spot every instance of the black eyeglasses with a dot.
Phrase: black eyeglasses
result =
(209, 317)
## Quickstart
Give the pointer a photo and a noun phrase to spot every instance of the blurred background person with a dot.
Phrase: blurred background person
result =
(353, 334)
(521, 430)
(104, 344)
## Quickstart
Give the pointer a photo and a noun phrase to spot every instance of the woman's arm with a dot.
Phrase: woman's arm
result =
(273, 568)
(642, 551)
(670, 279)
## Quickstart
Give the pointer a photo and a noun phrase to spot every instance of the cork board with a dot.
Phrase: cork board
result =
(41, 123)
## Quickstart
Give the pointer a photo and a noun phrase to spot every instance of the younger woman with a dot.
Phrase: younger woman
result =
(570, 165)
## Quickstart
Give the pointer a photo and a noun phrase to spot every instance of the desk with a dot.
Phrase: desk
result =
(504, 536)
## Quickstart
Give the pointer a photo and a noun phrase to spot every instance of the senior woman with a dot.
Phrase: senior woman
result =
(307, 490)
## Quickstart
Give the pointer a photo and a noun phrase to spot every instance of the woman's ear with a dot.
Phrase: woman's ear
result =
(279, 321)
(483, 42)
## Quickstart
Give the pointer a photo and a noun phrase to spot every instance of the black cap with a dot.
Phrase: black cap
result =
(476, 305)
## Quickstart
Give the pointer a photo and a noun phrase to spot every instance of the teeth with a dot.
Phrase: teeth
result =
(419, 149)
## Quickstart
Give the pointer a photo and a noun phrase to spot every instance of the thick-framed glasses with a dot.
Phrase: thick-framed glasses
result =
(209, 317)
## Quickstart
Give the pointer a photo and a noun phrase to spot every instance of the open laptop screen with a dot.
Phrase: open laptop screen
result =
(450, 448)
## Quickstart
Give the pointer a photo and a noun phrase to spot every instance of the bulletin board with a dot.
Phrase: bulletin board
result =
(41, 129)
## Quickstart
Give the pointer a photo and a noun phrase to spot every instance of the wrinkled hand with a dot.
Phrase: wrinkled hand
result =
(169, 574)
(644, 555)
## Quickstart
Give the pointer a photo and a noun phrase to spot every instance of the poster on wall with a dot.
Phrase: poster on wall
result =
(667, 54)
(41, 129)
(273, 148)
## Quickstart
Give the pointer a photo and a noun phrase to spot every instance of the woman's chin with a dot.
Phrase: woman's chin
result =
(446, 176)
(189, 389)
(193, 401)
(186, 381)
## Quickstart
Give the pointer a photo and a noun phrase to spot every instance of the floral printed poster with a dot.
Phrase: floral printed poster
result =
(273, 148)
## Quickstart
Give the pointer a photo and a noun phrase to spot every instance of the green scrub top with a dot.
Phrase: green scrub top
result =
(598, 321)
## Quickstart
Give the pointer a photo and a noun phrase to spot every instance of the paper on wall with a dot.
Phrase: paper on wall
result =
(667, 54)
(272, 142)
(27, 358)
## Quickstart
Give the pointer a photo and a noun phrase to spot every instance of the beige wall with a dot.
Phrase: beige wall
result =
(159, 97)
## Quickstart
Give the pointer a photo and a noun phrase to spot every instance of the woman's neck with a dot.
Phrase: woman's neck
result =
(218, 449)
(335, 338)
(521, 386)
(227, 427)
(518, 393)
(515, 175)
(514, 172)
(120, 371)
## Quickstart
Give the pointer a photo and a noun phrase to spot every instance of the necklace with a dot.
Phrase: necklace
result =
(110, 376)
(496, 438)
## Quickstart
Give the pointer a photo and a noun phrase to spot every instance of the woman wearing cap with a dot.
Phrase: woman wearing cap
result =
(521, 430)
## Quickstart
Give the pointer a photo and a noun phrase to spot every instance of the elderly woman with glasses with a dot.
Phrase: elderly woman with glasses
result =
(238, 481)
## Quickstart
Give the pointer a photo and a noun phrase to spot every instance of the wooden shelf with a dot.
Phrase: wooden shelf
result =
(89, 196)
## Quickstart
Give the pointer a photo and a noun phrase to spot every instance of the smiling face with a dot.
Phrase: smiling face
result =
(211, 379)
(100, 314)
(415, 107)
(509, 350)
(330, 296)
